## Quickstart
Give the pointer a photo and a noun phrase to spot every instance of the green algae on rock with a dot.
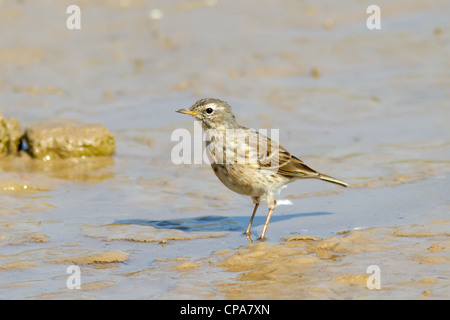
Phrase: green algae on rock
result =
(10, 135)
(63, 140)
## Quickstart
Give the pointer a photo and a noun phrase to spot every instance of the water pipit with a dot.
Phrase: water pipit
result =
(247, 161)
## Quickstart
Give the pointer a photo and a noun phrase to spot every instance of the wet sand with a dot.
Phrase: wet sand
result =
(369, 107)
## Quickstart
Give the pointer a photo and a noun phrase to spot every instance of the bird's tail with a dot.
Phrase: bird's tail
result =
(333, 180)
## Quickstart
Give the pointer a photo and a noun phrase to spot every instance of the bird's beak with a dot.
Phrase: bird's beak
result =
(187, 111)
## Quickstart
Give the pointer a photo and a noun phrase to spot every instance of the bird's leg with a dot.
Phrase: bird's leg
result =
(251, 219)
(271, 208)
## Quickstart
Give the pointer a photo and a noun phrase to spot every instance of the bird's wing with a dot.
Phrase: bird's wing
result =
(272, 156)
(265, 154)
(295, 167)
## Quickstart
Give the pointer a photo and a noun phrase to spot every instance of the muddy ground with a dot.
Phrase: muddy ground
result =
(369, 107)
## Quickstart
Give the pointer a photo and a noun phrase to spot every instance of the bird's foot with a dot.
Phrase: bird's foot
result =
(247, 234)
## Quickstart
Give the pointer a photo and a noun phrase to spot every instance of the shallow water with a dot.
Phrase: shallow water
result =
(369, 107)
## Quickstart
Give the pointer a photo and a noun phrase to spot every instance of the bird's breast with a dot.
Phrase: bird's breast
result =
(249, 180)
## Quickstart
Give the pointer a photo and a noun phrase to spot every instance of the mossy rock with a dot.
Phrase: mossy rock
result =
(10, 135)
(62, 140)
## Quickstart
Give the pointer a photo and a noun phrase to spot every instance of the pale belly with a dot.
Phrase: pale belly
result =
(246, 180)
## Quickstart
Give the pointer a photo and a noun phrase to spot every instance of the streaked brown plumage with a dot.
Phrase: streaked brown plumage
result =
(246, 161)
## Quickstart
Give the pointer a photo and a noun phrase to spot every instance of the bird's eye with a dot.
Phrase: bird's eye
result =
(209, 110)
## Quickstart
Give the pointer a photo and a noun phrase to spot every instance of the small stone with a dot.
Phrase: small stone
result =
(10, 135)
(62, 140)
(315, 72)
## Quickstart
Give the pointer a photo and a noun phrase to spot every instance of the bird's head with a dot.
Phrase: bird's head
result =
(213, 113)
